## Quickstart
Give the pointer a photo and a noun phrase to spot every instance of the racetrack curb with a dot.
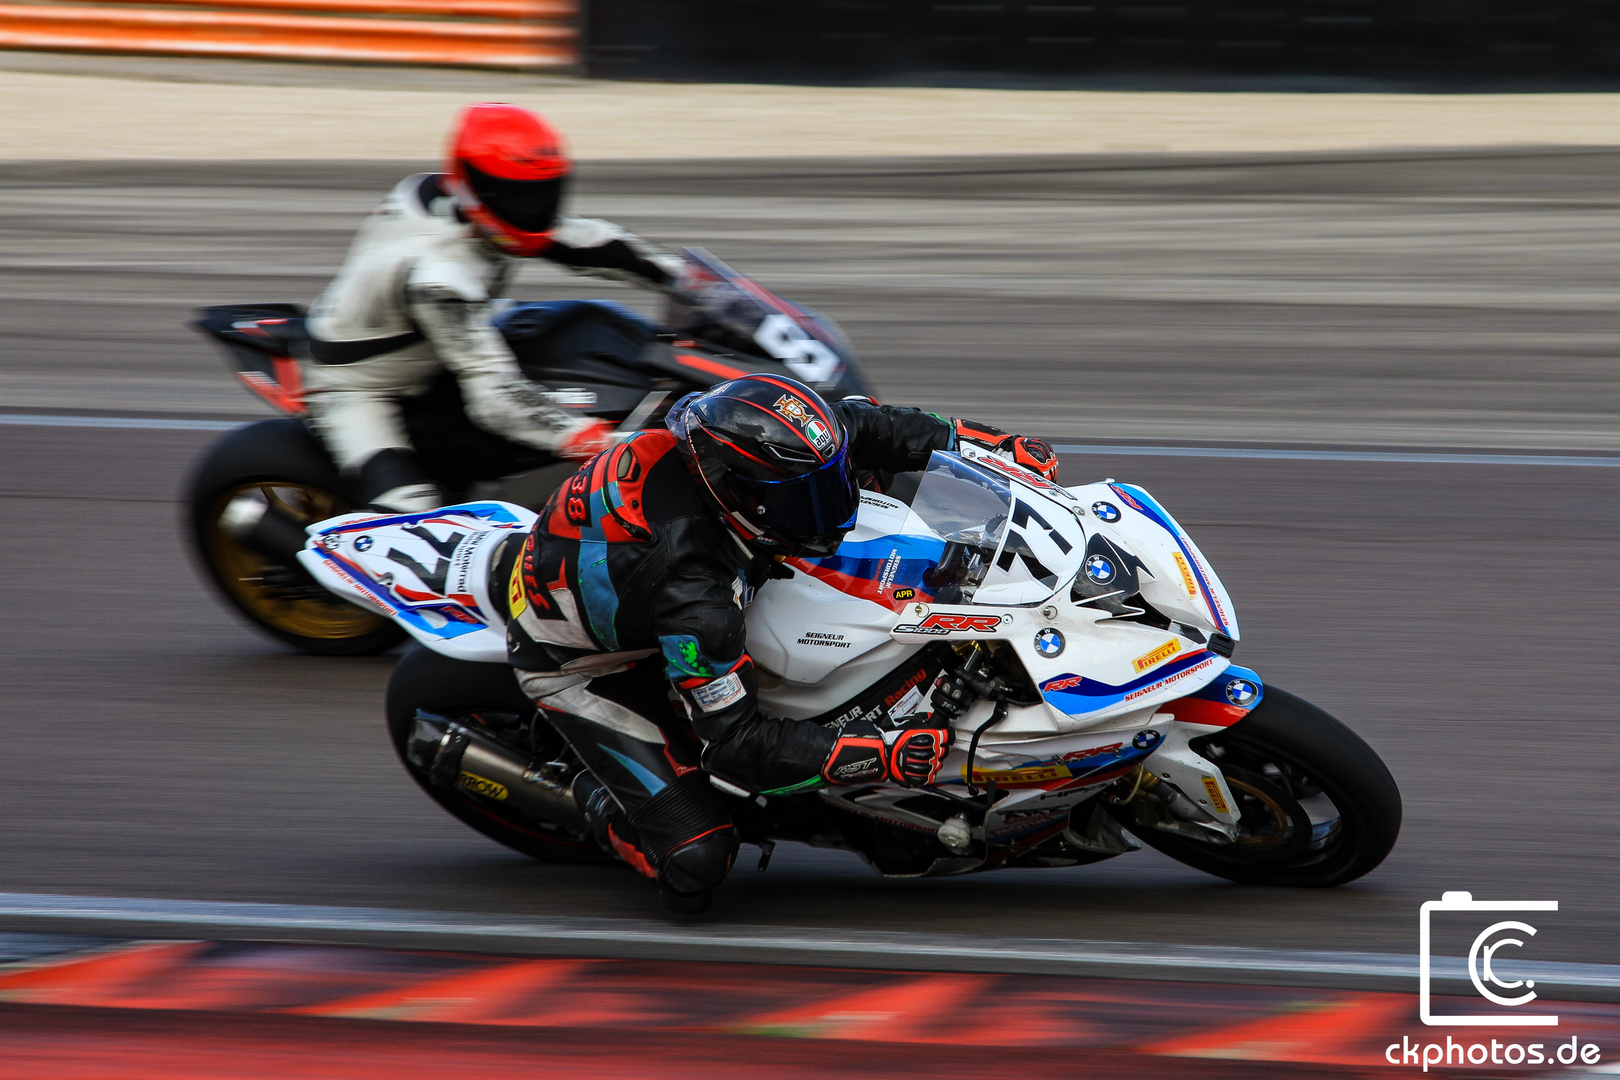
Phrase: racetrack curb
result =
(647, 939)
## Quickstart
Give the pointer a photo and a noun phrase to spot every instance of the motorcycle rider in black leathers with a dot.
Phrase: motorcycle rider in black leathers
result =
(626, 610)
(420, 286)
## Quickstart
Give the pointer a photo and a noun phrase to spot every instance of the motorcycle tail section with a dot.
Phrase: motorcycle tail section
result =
(429, 572)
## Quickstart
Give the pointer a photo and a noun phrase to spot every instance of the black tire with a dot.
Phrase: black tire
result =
(1280, 761)
(438, 684)
(290, 468)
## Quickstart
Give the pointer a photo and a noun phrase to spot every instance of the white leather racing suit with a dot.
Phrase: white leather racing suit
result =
(415, 296)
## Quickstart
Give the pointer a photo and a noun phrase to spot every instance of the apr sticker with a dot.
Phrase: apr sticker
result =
(904, 594)
(793, 409)
(1049, 643)
(1242, 692)
(1162, 653)
(1105, 511)
(1100, 570)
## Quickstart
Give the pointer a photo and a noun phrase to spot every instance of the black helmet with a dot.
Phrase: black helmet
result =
(775, 458)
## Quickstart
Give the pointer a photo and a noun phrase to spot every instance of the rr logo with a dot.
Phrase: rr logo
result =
(950, 624)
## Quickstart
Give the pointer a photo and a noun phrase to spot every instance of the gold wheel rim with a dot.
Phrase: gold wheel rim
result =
(1279, 816)
(241, 569)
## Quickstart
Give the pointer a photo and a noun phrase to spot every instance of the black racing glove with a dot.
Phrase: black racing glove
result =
(907, 752)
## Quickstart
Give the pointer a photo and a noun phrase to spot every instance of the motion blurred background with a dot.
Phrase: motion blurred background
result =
(1321, 249)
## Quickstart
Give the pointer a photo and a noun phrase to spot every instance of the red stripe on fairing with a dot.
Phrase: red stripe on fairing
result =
(710, 367)
(1192, 710)
(862, 588)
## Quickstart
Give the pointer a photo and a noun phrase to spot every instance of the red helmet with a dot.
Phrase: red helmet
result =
(507, 167)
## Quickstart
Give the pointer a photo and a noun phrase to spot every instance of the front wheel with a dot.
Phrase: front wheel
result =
(1318, 807)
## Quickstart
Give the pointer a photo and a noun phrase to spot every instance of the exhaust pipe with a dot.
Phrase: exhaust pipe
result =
(456, 757)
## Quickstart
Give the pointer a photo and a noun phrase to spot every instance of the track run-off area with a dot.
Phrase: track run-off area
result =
(1378, 393)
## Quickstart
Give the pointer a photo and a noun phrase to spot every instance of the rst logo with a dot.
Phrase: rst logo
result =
(952, 624)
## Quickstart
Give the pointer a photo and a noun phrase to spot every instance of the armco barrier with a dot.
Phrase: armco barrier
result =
(520, 34)
(1443, 43)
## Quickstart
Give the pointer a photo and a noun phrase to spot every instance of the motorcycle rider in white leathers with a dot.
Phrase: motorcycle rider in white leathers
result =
(420, 286)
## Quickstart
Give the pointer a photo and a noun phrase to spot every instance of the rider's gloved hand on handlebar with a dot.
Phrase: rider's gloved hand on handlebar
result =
(908, 752)
(1032, 453)
(588, 441)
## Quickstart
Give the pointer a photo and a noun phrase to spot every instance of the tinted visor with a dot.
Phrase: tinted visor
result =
(800, 510)
(526, 205)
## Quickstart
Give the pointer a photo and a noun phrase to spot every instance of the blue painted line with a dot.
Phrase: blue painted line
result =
(155, 423)
(1398, 457)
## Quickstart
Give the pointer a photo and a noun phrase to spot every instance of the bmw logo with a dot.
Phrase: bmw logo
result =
(1049, 643)
(1099, 570)
(362, 543)
(1144, 739)
(1242, 692)
(1105, 511)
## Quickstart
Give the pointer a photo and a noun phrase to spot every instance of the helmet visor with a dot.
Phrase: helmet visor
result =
(526, 205)
(818, 505)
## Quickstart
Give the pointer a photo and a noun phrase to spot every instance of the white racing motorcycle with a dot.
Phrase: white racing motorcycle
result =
(1075, 638)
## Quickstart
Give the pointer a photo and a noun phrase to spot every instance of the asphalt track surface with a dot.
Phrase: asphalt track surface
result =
(1458, 616)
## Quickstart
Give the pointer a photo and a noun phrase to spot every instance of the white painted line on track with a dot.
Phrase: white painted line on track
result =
(1399, 457)
(152, 423)
(199, 916)
(165, 423)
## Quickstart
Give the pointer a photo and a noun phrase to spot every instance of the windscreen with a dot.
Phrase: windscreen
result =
(968, 509)
(716, 304)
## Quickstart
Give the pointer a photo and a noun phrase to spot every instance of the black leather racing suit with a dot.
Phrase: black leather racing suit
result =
(631, 586)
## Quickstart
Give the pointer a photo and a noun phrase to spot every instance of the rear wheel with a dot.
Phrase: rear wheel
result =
(1318, 807)
(280, 462)
(479, 695)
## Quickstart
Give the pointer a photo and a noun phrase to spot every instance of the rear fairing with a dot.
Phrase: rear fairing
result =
(428, 572)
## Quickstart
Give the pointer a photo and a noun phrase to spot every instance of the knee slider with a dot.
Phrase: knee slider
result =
(701, 864)
(687, 835)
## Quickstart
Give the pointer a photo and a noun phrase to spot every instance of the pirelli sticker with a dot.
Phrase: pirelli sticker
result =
(1216, 799)
(1030, 774)
(1157, 656)
(1186, 575)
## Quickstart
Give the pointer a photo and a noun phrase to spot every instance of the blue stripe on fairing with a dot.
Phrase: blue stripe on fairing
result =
(1150, 509)
(865, 559)
(638, 770)
(1090, 695)
(1215, 689)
